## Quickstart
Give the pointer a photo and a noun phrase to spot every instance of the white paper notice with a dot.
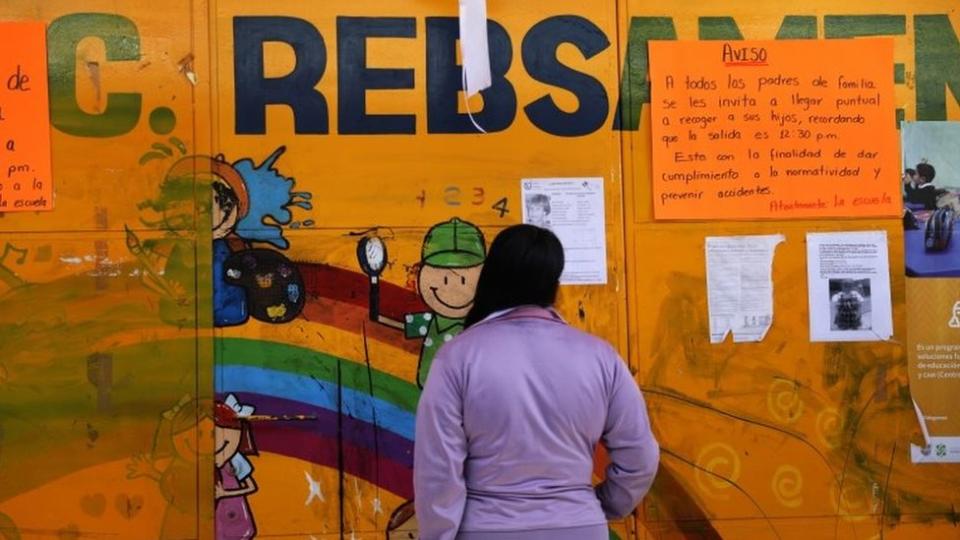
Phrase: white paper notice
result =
(473, 46)
(573, 209)
(848, 279)
(740, 286)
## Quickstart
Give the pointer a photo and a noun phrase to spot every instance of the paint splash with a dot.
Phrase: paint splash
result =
(271, 196)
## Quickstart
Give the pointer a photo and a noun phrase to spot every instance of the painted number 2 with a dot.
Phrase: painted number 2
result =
(452, 196)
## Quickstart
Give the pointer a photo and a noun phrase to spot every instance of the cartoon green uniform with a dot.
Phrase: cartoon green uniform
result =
(435, 331)
(450, 263)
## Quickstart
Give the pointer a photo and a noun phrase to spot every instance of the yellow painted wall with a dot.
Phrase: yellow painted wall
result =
(107, 347)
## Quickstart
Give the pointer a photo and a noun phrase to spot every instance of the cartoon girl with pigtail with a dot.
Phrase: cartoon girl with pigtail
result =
(173, 462)
(233, 442)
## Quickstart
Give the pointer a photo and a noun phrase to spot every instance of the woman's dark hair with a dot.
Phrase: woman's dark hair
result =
(522, 268)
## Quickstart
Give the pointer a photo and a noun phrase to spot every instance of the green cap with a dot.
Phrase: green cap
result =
(454, 244)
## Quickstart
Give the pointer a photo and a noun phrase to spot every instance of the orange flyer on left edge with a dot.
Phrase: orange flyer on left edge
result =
(774, 129)
(26, 182)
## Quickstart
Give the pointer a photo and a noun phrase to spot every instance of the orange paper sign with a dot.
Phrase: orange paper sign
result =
(26, 183)
(773, 129)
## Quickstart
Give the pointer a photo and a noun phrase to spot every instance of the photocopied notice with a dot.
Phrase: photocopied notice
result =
(573, 209)
(773, 129)
(740, 286)
(848, 279)
(26, 183)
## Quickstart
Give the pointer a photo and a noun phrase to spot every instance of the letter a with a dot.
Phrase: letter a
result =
(669, 81)
(774, 102)
(665, 121)
(11, 146)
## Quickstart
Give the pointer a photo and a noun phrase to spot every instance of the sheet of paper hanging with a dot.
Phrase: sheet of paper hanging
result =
(933, 363)
(848, 282)
(740, 286)
(771, 130)
(26, 181)
(573, 209)
(474, 47)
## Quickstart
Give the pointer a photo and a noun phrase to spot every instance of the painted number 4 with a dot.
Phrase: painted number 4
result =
(501, 206)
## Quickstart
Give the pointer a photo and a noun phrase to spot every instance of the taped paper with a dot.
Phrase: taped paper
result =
(474, 48)
(740, 286)
(848, 279)
(573, 209)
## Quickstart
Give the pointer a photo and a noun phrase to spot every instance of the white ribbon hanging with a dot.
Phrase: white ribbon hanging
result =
(474, 48)
(474, 51)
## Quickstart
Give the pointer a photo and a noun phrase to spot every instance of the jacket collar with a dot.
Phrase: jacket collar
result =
(525, 312)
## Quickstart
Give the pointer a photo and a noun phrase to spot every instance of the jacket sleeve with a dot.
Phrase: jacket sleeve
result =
(439, 453)
(634, 452)
(927, 196)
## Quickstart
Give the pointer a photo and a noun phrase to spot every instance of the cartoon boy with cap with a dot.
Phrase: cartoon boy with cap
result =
(451, 259)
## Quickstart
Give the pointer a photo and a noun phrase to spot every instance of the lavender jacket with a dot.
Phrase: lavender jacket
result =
(507, 426)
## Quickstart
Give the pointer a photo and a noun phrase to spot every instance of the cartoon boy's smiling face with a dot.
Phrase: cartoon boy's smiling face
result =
(449, 291)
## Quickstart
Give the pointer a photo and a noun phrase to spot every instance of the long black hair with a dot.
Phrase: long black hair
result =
(523, 267)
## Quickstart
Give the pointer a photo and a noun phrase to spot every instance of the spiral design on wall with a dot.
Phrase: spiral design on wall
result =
(787, 485)
(830, 427)
(716, 464)
(853, 503)
(783, 401)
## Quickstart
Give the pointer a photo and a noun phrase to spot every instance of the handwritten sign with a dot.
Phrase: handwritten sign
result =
(773, 129)
(26, 183)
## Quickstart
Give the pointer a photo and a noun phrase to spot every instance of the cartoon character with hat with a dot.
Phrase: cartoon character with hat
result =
(253, 282)
(451, 259)
(249, 205)
(231, 202)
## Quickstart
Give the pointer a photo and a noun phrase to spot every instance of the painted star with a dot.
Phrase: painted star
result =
(315, 491)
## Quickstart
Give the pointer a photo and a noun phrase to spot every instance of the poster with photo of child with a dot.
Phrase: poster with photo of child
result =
(931, 198)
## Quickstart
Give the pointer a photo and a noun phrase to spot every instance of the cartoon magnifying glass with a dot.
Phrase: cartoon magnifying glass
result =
(372, 256)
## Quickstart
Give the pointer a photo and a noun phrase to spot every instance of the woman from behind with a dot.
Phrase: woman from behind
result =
(513, 409)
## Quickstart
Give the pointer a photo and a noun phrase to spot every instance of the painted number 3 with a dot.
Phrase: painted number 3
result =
(452, 194)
